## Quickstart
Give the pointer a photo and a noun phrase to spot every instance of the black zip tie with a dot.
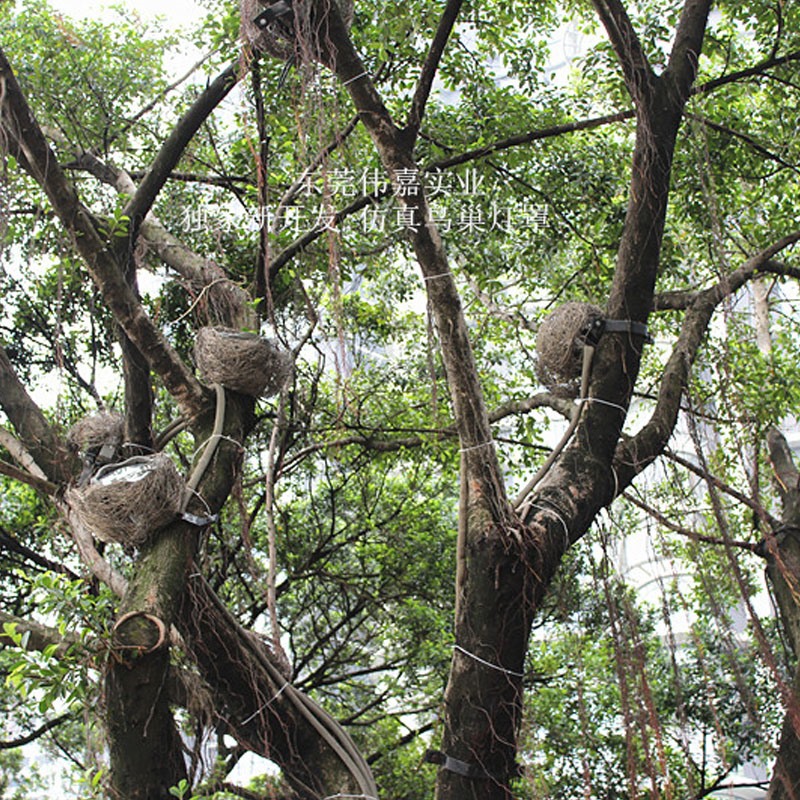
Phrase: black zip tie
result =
(273, 12)
(472, 771)
(627, 326)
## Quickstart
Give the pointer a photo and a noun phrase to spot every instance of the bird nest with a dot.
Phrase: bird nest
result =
(127, 502)
(97, 430)
(278, 37)
(560, 341)
(243, 362)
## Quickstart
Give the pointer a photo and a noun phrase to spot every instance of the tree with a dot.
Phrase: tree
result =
(338, 496)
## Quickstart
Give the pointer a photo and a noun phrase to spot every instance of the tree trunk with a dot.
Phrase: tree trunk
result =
(145, 749)
(506, 564)
(783, 571)
(146, 752)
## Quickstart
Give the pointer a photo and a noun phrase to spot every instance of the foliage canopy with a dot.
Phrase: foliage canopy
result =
(174, 179)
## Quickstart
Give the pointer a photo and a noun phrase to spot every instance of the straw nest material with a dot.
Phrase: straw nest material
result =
(243, 362)
(559, 344)
(97, 430)
(129, 501)
(277, 39)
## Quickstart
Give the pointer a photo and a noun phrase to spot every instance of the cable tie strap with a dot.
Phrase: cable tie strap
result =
(627, 326)
(340, 796)
(438, 275)
(476, 446)
(471, 771)
(486, 663)
(355, 78)
(198, 521)
(455, 765)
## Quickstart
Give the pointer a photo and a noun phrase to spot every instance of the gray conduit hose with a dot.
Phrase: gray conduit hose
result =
(326, 726)
(210, 449)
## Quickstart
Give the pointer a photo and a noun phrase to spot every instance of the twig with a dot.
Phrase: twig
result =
(40, 731)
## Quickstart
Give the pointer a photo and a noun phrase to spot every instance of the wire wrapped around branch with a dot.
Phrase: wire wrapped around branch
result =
(139, 631)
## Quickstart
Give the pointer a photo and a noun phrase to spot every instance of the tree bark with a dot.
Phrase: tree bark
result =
(783, 571)
(23, 138)
(33, 430)
(507, 574)
(145, 749)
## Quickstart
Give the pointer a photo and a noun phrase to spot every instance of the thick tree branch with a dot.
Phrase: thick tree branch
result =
(43, 486)
(748, 140)
(32, 428)
(719, 485)
(636, 68)
(297, 185)
(20, 454)
(172, 149)
(310, 236)
(89, 555)
(263, 710)
(749, 72)
(681, 299)
(26, 142)
(508, 143)
(695, 536)
(11, 544)
(21, 741)
(616, 365)
(431, 65)
(682, 65)
(225, 303)
(637, 453)
(39, 637)
(783, 570)
(787, 476)
(394, 149)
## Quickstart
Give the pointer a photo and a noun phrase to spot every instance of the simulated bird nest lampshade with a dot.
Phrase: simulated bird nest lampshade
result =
(243, 362)
(559, 345)
(129, 501)
(97, 430)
